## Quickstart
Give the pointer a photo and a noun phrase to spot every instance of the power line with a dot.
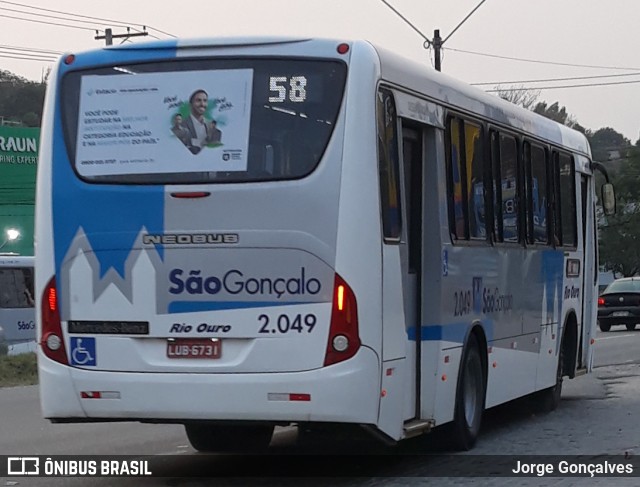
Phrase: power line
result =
(48, 16)
(30, 49)
(161, 32)
(27, 54)
(540, 61)
(407, 21)
(463, 21)
(563, 86)
(110, 21)
(437, 41)
(64, 18)
(484, 83)
(48, 23)
(27, 58)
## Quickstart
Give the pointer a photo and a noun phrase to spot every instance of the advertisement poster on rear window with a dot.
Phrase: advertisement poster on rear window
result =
(150, 123)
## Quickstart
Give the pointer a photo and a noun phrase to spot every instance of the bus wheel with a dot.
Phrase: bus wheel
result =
(631, 326)
(228, 438)
(470, 398)
(548, 400)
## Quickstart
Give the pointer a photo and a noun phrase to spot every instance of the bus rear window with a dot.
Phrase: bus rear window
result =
(16, 288)
(201, 120)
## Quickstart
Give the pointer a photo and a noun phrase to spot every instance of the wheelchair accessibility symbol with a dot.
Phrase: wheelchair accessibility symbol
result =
(83, 351)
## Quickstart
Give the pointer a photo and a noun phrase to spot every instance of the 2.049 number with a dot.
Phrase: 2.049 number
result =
(287, 324)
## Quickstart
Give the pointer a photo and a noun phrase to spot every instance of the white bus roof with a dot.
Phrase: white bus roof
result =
(401, 71)
(468, 99)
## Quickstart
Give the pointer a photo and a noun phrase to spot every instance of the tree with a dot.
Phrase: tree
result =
(555, 112)
(21, 100)
(518, 96)
(529, 99)
(606, 139)
(620, 234)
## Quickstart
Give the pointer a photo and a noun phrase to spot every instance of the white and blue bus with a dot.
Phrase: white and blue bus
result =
(17, 307)
(234, 234)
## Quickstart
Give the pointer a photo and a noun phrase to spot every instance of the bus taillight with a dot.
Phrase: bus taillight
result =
(51, 341)
(344, 340)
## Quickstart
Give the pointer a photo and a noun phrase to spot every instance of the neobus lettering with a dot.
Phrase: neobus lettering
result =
(233, 282)
(187, 238)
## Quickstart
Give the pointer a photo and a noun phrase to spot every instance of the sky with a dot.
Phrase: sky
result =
(602, 36)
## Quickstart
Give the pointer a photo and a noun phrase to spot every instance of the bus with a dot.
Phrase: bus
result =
(17, 305)
(237, 234)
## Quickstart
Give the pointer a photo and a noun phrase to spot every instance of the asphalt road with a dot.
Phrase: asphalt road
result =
(617, 346)
(595, 418)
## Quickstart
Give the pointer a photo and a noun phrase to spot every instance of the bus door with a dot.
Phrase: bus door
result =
(589, 272)
(411, 248)
(399, 149)
(402, 275)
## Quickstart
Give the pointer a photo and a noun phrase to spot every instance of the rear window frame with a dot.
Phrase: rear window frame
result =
(634, 283)
(28, 280)
(188, 64)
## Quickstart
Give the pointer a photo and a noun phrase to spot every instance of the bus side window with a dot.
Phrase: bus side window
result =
(474, 158)
(28, 287)
(567, 195)
(16, 288)
(537, 194)
(466, 180)
(508, 182)
(456, 171)
(389, 166)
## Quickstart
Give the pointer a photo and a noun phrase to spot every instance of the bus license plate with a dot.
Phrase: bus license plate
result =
(194, 348)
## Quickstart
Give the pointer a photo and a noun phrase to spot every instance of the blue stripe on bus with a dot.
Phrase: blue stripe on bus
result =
(193, 306)
(552, 277)
(102, 212)
(99, 209)
(453, 332)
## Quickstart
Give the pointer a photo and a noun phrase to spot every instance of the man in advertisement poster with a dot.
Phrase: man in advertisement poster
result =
(179, 130)
(214, 132)
(200, 131)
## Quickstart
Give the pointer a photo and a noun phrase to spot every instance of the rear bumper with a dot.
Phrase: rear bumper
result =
(607, 317)
(347, 392)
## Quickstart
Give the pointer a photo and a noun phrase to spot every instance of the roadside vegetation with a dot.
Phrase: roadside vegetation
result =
(18, 370)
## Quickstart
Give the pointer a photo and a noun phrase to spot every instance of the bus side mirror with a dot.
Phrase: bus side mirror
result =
(608, 199)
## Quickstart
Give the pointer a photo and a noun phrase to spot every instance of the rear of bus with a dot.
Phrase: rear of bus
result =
(17, 310)
(215, 284)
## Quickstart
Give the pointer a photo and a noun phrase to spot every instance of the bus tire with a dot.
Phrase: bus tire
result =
(228, 438)
(470, 398)
(631, 326)
(549, 399)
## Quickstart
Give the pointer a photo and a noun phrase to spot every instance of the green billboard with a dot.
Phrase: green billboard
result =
(18, 163)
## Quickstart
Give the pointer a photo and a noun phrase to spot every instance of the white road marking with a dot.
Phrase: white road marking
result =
(616, 336)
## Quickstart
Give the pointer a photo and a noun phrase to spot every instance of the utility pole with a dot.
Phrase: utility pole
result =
(437, 42)
(109, 36)
(437, 49)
